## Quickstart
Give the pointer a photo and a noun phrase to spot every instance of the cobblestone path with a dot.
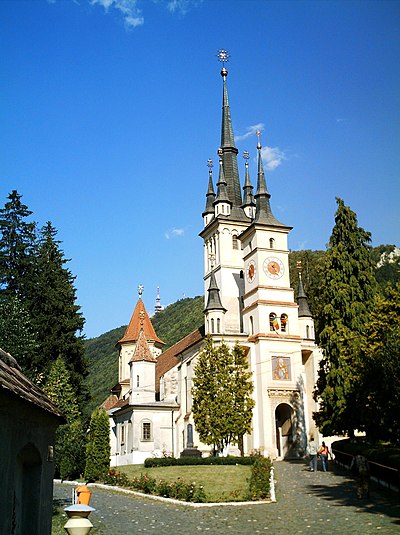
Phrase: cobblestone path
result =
(321, 502)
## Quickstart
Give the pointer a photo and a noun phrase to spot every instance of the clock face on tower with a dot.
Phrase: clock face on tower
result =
(251, 271)
(273, 267)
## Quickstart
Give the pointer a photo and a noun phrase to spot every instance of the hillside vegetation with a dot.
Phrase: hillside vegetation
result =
(184, 316)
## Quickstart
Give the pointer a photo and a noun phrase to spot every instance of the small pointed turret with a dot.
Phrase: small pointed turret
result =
(222, 194)
(209, 210)
(263, 208)
(248, 197)
(214, 300)
(304, 309)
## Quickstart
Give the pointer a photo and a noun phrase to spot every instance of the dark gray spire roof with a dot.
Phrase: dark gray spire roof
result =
(210, 195)
(214, 300)
(304, 310)
(262, 196)
(222, 191)
(248, 197)
(229, 154)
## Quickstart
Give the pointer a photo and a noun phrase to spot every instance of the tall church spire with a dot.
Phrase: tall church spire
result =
(262, 196)
(229, 151)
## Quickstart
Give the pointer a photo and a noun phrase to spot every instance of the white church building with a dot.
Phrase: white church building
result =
(248, 299)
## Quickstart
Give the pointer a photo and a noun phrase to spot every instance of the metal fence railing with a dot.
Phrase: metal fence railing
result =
(383, 475)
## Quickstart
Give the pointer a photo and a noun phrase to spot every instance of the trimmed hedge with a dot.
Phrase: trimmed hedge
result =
(152, 462)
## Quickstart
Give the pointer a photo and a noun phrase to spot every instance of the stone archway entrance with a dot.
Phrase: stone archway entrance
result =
(284, 431)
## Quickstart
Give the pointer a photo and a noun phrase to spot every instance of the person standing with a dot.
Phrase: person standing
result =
(323, 452)
(312, 452)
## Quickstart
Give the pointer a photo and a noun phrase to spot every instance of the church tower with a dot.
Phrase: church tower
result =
(225, 218)
(139, 326)
(249, 299)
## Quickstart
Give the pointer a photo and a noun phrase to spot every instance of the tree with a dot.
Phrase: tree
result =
(58, 388)
(70, 438)
(346, 291)
(56, 316)
(222, 395)
(98, 446)
(381, 367)
(17, 335)
(17, 246)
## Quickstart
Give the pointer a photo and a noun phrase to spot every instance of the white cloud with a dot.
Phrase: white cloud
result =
(132, 14)
(174, 233)
(182, 6)
(250, 131)
(272, 157)
(128, 8)
(340, 120)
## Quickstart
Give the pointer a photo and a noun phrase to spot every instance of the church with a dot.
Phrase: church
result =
(248, 300)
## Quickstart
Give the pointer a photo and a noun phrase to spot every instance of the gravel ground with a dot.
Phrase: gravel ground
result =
(319, 502)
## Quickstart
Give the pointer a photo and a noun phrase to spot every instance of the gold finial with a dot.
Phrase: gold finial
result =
(210, 166)
(246, 157)
(223, 56)
(299, 266)
(258, 134)
(140, 290)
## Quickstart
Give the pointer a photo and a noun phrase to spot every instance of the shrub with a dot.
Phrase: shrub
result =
(190, 461)
(259, 481)
(116, 478)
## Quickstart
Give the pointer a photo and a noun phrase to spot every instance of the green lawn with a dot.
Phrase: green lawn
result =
(221, 483)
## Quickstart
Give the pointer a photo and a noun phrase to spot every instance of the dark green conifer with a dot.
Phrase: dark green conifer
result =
(98, 446)
(346, 292)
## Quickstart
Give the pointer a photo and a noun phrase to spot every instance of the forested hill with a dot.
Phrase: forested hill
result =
(171, 324)
(184, 316)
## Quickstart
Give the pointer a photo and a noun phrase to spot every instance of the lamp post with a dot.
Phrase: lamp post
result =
(78, 522)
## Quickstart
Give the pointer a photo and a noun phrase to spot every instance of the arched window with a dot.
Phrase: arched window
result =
(307, 331)
(251, 325)
(212, 325)
(271, 243)
(284, 323)
(241, 275)
(137, 381)
(235, 242)
(218, 325)
(273, 322)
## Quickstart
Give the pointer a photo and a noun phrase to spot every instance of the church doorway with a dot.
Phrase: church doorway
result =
(284, 431)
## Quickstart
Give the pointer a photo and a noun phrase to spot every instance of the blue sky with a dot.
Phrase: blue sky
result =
(109, 110)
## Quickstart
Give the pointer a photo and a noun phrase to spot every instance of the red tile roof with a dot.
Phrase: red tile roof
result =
(140, 318)
(142, 351)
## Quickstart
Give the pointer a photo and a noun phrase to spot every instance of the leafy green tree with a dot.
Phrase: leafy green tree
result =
(222, 395)
(56, 316)
(17, 246)
(98, 446)
(346, 291)
(17, 335)
(380, 398)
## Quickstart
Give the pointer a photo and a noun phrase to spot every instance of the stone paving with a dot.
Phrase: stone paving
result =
(318, 502)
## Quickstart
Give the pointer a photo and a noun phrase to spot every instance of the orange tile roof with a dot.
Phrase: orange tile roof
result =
(142, 351)
(139, 318)
(167, 360)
